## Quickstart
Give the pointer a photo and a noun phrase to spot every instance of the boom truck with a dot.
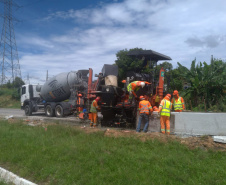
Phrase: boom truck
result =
(57, 97)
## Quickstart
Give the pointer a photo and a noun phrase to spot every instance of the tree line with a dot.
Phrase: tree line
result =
(12, 88)
(203, 86)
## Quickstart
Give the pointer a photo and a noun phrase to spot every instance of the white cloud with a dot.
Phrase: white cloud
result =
(182, 30)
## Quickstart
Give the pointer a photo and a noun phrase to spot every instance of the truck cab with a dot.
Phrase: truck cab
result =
(29, 98)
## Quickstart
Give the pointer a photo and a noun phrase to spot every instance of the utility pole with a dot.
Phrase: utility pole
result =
(9, 60)
(47, 76)
(28, 79)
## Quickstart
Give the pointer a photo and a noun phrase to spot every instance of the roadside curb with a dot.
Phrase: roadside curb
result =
(10, 177)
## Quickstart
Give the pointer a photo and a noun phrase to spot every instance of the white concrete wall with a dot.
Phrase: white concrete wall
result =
(192, 123)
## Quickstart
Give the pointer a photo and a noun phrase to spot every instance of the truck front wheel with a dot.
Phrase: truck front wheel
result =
(49, 111)
(59, 111)
(27, 110)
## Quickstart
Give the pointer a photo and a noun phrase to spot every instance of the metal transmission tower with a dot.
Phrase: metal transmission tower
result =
(9, 60)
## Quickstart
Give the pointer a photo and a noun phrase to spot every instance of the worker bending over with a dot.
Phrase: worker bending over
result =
(178, 102)
(144, 108)
(93, 110)
(164, 109)
(134, 87)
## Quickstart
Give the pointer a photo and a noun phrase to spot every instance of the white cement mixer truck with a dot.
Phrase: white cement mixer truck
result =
(57, 97)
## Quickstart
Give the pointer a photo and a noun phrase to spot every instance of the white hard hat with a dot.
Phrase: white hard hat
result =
(142, 84)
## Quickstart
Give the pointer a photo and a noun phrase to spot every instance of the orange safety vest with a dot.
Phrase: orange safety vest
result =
(144, 106)
(80, 101)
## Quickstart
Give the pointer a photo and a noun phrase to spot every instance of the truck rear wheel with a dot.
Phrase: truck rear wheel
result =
(27, 110)
(59, 111)
(49, 111)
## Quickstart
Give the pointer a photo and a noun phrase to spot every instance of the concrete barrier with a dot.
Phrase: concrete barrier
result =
(196, 123)
(191, 123)
(10, 177)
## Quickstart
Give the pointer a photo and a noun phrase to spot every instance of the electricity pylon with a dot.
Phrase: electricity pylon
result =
(9, 60)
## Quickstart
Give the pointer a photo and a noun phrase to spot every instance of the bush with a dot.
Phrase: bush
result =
(16, 95)
(222, 105)
(199, 108)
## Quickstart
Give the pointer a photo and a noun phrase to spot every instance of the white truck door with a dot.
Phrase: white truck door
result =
(24, 94)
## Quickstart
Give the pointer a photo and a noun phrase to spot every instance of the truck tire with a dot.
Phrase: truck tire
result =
(28, 110)
(49, 111)
(59, 111)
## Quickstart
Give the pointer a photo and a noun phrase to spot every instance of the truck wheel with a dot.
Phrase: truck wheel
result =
(49, 111)
(27, 110)
(59, 111)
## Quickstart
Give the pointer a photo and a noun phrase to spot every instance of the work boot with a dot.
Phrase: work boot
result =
(91, 125)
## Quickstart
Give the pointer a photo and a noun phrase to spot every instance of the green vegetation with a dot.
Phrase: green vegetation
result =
(126, 63)
(66, 155)
(9, 98)
(10, 95)
(3, 183)
(203, 86)
(208, 85)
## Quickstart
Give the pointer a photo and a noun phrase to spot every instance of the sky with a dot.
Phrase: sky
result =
(68, 35)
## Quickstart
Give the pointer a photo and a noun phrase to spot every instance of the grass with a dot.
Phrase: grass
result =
(66, 155)
(6, 100)
(3, 183)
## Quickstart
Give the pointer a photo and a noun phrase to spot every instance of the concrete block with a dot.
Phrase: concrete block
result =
(219, 139)
(190, 123)
(154, 123)
(195, 123)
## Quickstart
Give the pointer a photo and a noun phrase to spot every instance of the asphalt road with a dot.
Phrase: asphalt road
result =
(9, 112)
(18, 113)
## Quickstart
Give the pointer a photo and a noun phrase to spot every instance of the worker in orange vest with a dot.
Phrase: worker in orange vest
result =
(80, 103)
(164, 110)
(144, 108)
(178, 102)
(134, 87)
(93, 110)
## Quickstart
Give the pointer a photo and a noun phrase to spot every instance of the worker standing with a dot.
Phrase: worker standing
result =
(80, 103)
(144, 108)
(164, 109)
(178, 102)
(93, 110)
(134, 87)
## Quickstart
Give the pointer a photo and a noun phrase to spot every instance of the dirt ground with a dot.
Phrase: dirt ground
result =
(202, 142)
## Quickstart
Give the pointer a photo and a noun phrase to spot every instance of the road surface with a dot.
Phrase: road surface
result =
(18, 113)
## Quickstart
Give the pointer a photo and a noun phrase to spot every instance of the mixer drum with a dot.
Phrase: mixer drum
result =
(58, 87)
